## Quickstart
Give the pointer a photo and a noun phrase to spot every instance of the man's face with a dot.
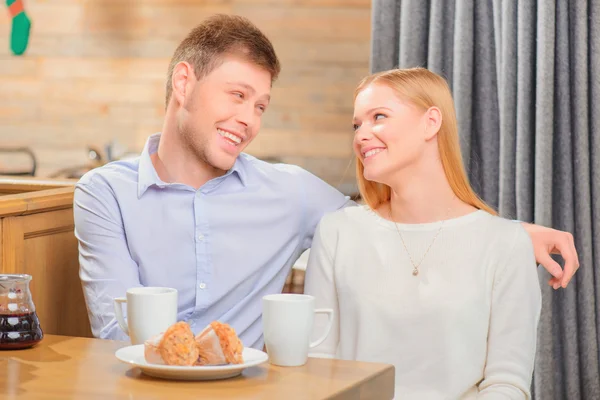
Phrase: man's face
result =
(221, 113)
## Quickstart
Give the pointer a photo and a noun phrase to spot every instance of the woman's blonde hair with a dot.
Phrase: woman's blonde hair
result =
(423, 89)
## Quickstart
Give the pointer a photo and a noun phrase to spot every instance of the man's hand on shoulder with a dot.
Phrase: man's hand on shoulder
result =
(548, 241)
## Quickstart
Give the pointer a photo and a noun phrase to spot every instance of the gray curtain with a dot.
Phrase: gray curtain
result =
(525, 76)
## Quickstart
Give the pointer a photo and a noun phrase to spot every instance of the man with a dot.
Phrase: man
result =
(195, 213)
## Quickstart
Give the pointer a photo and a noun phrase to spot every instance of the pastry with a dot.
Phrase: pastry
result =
(178, 346)
(218, 344)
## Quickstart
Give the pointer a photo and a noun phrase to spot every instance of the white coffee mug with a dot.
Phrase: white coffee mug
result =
(150, 311)
(287, 327)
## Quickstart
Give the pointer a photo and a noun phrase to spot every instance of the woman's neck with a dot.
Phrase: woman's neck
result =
(423, 196)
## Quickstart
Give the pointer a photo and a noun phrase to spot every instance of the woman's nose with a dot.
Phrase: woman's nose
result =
(363, 134)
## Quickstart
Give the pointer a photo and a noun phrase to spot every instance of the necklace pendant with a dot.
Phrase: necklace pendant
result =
(415, 272)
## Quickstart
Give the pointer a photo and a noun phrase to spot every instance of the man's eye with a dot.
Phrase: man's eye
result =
(355, 127)
(239, 94)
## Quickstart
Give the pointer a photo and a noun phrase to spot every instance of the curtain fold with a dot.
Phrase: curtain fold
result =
(525, 76)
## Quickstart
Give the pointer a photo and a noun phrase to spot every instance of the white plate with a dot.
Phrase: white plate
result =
(134, 355)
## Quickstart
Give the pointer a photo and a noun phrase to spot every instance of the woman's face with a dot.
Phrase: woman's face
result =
(390, 134)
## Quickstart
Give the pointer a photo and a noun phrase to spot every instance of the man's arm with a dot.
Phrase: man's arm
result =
(547, 241)
(106, 268)
(320, 198)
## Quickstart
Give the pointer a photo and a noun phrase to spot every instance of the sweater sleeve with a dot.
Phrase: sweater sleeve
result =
(320, 283)
(515, 313)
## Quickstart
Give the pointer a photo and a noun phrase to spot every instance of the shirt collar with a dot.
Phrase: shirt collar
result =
(148, 177)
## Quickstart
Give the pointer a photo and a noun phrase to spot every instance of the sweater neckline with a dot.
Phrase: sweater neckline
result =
(451, 222)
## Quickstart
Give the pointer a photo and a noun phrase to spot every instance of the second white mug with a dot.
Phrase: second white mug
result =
(150, 311)
(287, 327)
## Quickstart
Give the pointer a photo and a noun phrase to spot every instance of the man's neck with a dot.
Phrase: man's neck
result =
(175, 163)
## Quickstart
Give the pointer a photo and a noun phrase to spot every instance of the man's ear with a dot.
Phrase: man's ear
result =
(181, 80)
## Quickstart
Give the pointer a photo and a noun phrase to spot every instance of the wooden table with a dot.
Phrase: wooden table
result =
(63, 367)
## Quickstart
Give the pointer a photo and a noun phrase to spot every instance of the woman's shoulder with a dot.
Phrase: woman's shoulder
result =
(506, 235)
(346, 228)
(503, 226)
(348, 224)
(354, 215)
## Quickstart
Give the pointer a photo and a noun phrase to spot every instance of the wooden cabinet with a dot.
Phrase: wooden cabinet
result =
(37, 234)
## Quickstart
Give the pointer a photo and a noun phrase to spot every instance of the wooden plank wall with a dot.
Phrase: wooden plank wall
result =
(95, 70)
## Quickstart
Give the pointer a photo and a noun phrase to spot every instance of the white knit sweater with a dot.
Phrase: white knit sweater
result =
(465, 327)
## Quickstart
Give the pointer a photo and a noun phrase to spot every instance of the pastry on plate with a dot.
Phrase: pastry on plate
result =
(176, 346)
(218, 344)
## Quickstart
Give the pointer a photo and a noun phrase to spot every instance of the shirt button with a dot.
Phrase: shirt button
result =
(200, 237)
(202, 285)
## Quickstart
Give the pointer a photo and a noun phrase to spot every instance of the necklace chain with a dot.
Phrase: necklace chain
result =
(416, 266)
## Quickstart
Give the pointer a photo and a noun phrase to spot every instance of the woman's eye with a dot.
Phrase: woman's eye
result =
(379, 115)
(239, 94)
(355, 127)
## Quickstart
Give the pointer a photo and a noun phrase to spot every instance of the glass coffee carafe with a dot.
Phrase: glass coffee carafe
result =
(19, 324)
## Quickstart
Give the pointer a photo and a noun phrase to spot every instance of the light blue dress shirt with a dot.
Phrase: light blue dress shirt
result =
(223, 246)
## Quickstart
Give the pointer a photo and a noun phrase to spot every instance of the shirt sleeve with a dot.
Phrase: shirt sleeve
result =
(319, 199)
(320, 283)
(106, 268)
(515, 313)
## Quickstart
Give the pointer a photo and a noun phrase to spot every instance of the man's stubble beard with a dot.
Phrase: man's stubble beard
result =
(196, 144)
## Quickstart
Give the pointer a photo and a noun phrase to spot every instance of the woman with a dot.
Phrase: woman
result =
(425, 276)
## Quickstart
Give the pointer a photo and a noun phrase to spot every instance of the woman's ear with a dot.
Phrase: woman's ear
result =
(433, 121)
(183, 76)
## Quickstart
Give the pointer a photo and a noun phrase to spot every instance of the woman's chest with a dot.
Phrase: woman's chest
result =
(451, 280)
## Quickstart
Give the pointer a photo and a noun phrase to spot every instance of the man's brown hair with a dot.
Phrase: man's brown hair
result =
(222, 34)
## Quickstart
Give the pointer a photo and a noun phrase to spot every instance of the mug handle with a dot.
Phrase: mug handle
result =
(320, 340)
(119, 314)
